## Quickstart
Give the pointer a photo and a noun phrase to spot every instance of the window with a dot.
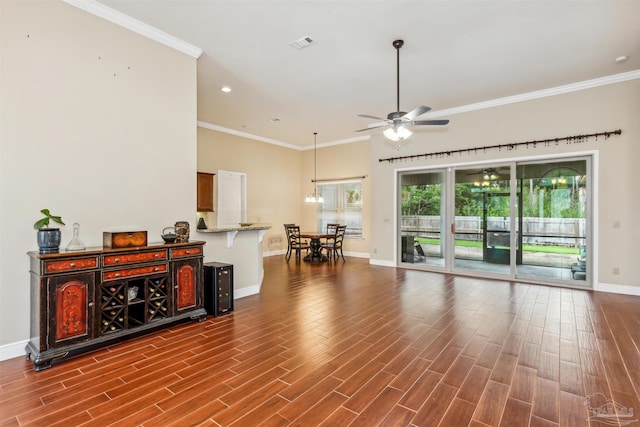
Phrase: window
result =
(342, 205)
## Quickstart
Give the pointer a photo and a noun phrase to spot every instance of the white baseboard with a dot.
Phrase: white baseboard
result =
(382, 262)
(357, 254)
(16, 349)
(274, 253)
(617, 289)
(245, 292)
(249, 290)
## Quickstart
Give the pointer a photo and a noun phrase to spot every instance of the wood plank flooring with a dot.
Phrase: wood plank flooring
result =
(359, 345)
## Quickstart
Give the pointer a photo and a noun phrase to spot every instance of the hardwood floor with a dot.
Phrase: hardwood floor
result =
(353, 344)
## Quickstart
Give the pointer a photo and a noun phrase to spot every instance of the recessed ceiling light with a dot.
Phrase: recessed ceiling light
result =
(621, 59)
(225, 89)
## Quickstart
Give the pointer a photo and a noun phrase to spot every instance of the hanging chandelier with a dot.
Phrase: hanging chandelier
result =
(315, 197)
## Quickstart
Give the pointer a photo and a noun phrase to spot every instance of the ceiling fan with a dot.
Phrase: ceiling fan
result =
(397, 122)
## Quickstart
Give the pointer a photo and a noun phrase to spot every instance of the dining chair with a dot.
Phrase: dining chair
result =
(331, 229)
(332, 248)
(296, 243)
(286, 229)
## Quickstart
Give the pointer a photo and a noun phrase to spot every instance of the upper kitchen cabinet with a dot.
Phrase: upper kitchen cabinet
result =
(205, 192)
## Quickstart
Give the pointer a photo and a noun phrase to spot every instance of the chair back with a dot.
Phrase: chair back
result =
(340, 232)
(294, 235)
(286, 229)
(331, 228)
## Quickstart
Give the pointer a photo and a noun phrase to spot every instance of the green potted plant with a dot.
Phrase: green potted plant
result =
(48, 238)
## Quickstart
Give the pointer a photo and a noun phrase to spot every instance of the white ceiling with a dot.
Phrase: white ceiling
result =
(456, 53)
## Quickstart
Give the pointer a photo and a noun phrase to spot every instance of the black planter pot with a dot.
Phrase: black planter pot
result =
(49, 240)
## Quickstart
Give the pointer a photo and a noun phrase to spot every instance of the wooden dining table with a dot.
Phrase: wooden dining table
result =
(315, 243)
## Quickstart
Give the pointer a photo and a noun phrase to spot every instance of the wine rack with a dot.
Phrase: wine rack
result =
(113, 307)
(158, 298)
(133, 303)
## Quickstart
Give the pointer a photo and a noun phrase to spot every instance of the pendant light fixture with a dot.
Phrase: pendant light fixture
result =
(315, 197)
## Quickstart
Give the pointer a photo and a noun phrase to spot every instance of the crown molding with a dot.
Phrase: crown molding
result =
(559, 90)
(223, 129)
(125, 21)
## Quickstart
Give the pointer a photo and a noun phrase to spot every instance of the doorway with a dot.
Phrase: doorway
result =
(518, 220)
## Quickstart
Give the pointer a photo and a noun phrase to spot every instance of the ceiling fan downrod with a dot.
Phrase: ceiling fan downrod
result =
(397, 44)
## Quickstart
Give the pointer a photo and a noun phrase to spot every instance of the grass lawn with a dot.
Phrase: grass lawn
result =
(526, 248)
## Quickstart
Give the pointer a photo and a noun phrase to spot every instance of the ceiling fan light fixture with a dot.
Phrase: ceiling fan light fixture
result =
(397, 122)
(397, 133)
(490, 175)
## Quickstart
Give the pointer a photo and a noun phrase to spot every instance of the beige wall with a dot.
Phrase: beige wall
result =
(273, 180)
(278, 179)
(604, 108)
(98, 124)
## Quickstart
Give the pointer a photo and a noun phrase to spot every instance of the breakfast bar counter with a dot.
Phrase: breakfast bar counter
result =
(240, 246)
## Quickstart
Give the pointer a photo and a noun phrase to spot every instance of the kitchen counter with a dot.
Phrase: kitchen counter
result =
(238, 228)
(241, 247)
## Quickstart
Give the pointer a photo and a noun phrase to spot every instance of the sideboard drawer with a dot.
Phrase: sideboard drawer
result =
(133, 272)
(186, 252)
(70, 264)
(129, 258)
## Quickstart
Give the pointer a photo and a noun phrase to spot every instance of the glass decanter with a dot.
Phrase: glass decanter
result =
(75, 244)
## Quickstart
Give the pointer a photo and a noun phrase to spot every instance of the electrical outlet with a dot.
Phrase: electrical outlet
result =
(616, 224)
(616, 270)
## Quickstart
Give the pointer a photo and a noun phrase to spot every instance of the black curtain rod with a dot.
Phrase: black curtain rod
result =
(576, 139)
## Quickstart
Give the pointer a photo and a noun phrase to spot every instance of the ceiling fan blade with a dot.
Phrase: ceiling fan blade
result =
(375, 126)
(411, 115)
(367, 116)
(431, 122)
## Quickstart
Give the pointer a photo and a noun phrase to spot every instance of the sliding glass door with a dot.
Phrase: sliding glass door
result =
(555, 220)
(482, 225)
(528, 220)
(422, 201)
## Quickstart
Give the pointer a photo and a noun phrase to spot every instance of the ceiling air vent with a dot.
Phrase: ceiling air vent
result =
(301, 43)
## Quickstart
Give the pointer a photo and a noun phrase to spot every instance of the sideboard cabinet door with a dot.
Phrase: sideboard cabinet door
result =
(187, 285)
(71, 311)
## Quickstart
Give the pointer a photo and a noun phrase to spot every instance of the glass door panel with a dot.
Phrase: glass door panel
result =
(422, 196)
(482, 231)
(554, 220)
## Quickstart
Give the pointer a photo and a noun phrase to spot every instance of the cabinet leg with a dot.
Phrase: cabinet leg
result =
(41, 365)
